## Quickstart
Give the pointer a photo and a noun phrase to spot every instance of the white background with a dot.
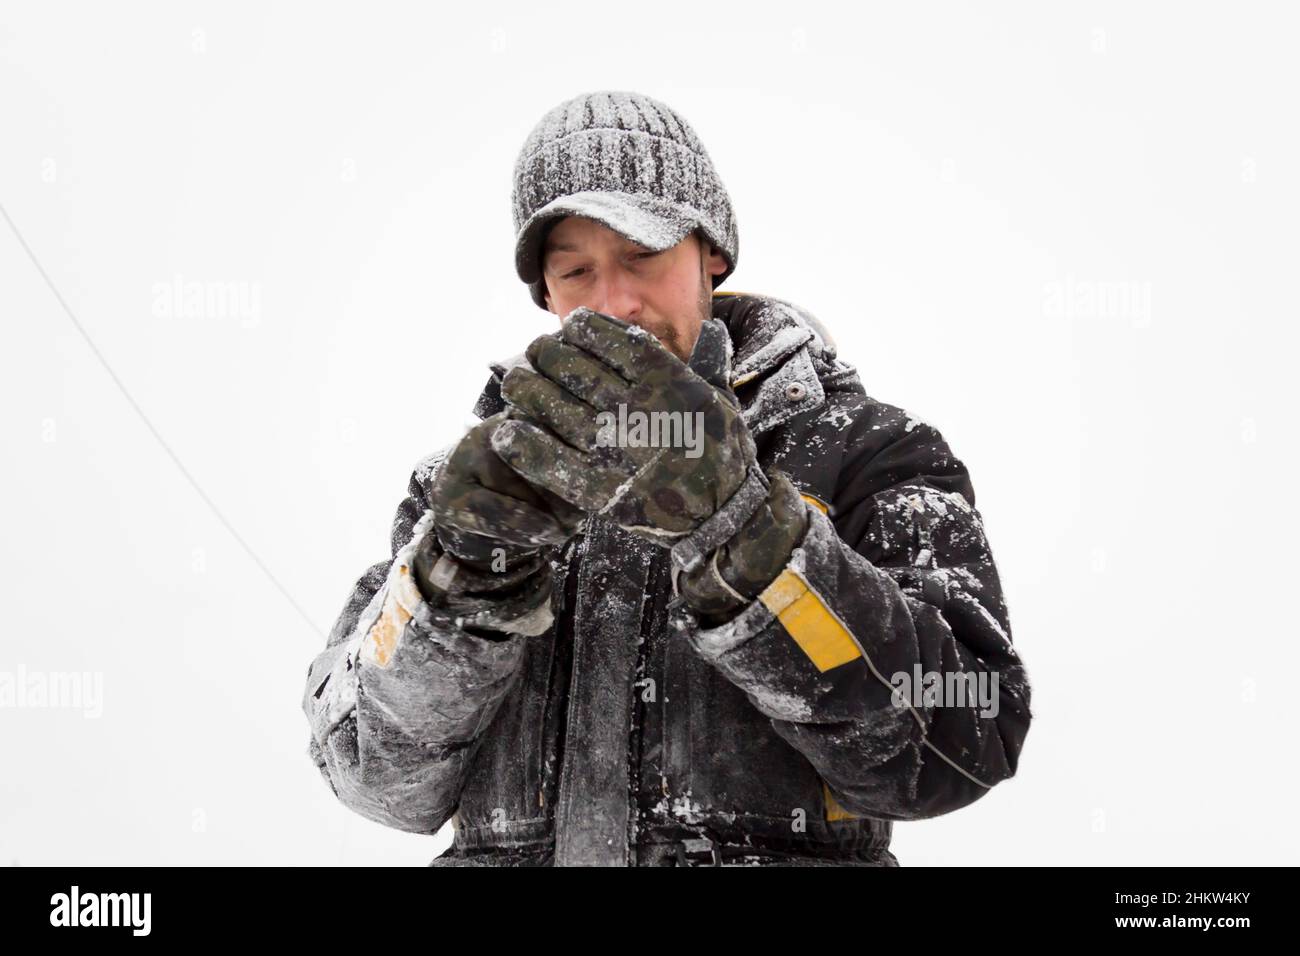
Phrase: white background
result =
(1066, 237)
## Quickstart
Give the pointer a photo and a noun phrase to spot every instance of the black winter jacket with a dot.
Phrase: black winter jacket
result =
(628, 733)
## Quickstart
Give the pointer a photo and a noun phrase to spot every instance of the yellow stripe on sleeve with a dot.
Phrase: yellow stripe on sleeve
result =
(384, 635)
(807, 619)
(815, 502)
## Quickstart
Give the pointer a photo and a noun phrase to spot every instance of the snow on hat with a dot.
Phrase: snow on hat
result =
(627, 161)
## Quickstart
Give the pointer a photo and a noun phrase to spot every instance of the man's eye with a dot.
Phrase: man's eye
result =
(645, 255)
(575, 272)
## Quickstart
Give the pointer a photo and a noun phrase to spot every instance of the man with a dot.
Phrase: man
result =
(686, 594)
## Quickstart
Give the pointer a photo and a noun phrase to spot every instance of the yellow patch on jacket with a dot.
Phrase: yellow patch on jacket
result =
(815, 627)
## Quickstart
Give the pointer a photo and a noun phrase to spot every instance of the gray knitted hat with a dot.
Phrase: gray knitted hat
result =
(627, 161)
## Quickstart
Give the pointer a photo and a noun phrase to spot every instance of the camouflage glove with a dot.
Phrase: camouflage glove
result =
(486, 515)
(741, 568)
(688, 479)
(510, 602)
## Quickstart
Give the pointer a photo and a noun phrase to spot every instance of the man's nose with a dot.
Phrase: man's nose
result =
(617, 295)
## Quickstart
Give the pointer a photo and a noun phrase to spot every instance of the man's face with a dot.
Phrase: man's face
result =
(666, 293)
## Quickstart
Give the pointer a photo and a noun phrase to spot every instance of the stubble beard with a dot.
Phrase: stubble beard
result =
(704, 310)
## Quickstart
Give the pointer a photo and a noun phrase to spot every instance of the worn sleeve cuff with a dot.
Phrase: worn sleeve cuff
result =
(827, 608)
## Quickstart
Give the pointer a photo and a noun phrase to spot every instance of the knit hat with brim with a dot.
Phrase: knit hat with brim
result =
(624, 160)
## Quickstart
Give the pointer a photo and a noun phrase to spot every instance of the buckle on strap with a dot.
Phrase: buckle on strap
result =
(697, 846)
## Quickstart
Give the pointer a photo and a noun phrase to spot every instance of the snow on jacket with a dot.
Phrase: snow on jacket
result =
(630, 734)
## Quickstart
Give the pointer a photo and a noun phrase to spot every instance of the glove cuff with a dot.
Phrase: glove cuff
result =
(738, 571)
(690, 553)
(515, 600)
(480, 552)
